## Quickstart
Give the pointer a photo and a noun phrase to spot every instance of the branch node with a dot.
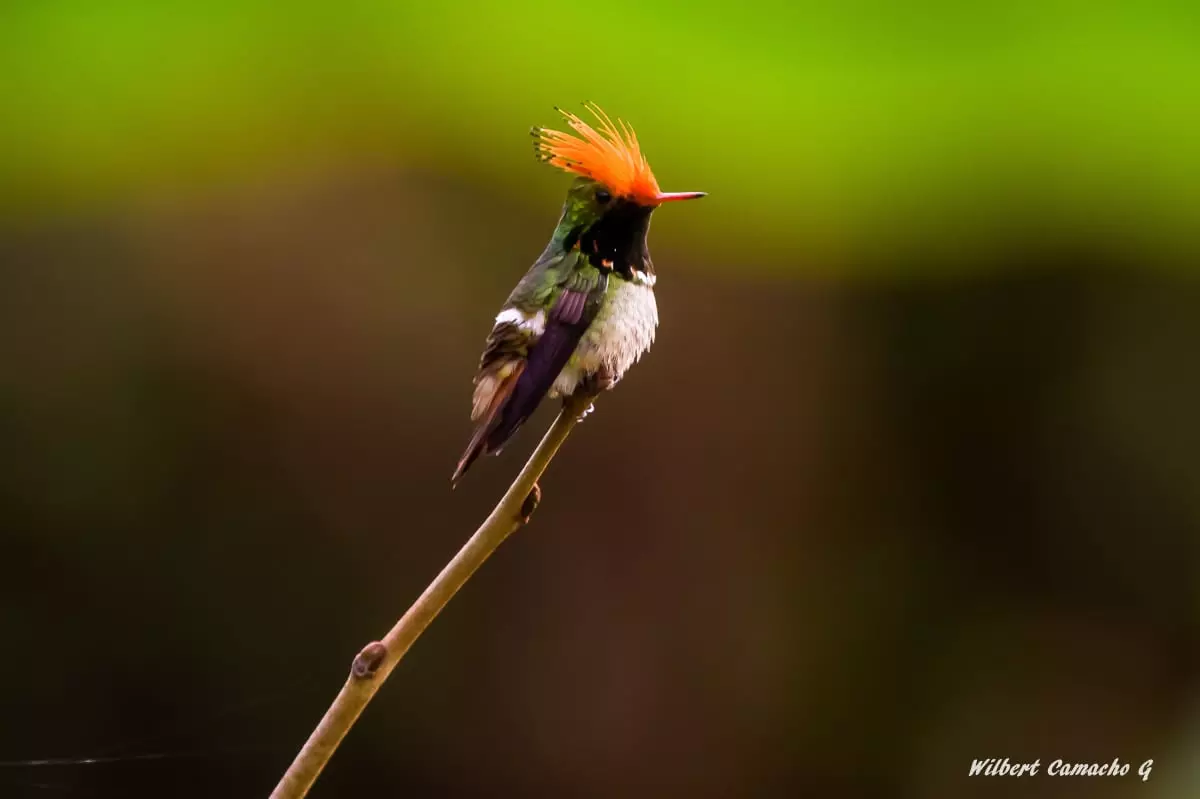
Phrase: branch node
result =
(368, 661)
(531, 502)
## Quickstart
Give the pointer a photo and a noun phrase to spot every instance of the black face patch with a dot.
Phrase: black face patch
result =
(617, 240)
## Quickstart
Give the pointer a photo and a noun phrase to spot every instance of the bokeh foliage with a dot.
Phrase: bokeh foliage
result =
(909, 478)
(822, 130)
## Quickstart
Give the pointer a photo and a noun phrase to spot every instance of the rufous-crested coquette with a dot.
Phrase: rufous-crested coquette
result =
(584, 312)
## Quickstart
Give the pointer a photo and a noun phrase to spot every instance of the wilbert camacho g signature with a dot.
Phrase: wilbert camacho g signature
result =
(1003, 767)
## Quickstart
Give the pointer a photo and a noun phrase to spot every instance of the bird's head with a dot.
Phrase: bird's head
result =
(608, 207)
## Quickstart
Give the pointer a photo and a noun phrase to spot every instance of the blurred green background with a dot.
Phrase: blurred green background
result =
(910, 477)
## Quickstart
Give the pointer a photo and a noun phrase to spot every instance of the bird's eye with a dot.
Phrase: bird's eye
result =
(602, 196)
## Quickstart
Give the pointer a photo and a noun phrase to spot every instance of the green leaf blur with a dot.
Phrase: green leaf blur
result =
(823, 132)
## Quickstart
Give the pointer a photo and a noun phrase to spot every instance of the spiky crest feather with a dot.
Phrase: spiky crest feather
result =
(608, 155)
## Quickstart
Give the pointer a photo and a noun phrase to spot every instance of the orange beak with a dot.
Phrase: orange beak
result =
(674, 196)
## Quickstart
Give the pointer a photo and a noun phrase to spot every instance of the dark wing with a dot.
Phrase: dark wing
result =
(528, 376)
(570, 316)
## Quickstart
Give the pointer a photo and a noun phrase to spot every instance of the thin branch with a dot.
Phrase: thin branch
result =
(377, 659)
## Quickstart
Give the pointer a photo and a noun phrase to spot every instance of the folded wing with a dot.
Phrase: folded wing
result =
(524, 355)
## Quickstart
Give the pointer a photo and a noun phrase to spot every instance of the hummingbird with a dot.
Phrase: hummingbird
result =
(584, 313)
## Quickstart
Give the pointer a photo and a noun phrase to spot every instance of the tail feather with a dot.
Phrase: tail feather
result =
(488, 422)
(474, 450)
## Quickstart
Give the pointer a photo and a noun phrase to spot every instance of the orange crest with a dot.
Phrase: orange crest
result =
(608, 155)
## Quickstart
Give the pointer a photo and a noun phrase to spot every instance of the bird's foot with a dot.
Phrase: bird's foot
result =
(598, 382)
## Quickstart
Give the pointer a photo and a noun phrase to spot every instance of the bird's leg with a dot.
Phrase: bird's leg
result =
(598, 382)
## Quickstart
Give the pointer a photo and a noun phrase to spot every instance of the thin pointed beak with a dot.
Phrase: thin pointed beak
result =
(673, 196)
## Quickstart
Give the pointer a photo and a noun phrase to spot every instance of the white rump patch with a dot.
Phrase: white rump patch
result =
(535, 324)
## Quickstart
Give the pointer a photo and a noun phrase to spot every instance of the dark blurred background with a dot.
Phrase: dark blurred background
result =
(910, 477)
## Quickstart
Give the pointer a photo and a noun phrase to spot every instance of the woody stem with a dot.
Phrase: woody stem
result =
(375, 662)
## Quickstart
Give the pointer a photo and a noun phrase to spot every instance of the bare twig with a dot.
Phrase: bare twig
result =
(376, 661)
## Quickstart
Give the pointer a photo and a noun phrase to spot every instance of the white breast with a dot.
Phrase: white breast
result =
(622, 330)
